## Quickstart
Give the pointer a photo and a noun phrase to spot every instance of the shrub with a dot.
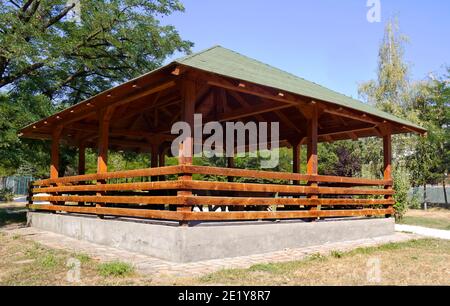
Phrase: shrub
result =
(6, 195)
(402, 186)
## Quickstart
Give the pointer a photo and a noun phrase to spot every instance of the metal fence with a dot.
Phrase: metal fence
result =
(18, 184)
(435, 194)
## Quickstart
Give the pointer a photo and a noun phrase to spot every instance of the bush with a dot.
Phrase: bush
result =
(402, 186)
(6, 195)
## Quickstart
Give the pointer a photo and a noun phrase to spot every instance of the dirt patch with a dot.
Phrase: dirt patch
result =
(434, 213)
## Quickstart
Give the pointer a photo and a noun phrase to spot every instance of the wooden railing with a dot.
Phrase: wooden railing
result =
(146, 197)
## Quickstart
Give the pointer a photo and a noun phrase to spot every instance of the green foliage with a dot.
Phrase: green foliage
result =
(48, 61)
(115, 269)
(425, 103)
(401, 186)
(6, 195)
(47, 52)
(48, 261)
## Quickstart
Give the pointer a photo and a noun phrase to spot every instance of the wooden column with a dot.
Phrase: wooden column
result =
(162, 160)
(81, 158)
(104, 117)
(230, 164)
(296, 151)
(387, 152)
(54, 165)
(312, 161)
(154, 158)
(185, 153)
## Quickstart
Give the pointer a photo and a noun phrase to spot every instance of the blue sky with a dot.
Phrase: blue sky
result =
(329, 42)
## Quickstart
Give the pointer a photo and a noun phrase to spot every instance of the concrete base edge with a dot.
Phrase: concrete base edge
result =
(212, 241)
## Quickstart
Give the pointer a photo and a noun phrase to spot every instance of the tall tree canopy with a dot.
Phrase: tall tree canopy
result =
(49, 60)
(45, 51)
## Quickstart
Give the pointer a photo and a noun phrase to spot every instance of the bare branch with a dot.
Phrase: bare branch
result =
(58, 17)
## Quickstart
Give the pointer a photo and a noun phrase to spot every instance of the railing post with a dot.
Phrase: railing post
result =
(81, 158)
(81, 162)
(186, 148)
(104, 118)
(312, 160)
(54, 166)
(296, 162)
(387, 152)
(154, 158)
(162, 160)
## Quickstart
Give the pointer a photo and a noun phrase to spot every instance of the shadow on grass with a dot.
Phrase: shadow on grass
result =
(12, 216)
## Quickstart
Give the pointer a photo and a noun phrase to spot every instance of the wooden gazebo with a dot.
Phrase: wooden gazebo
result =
(222, 86)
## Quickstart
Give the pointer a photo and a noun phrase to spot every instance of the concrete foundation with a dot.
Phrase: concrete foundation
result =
(208, 240)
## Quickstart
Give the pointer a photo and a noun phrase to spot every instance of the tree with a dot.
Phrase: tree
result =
(49, 61)
(430, 163)
(392, 93)
(69, 61)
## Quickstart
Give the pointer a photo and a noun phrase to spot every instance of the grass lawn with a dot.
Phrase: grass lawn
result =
(418, 262)
(433, 218)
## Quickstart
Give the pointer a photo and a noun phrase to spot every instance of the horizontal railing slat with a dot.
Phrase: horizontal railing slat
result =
(112, 175)
(190, 169)
(209, 216)
(289, 189)
(217, 201)
(222, 186)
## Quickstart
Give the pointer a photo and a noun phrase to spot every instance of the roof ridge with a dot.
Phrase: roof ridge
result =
(181, 59)
(292, 74)
(326, 94)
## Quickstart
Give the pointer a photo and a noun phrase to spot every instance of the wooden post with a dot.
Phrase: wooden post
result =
(104, 118)
(186, 149)
(312, 161)
(81, 163)
(162, 160)
(230, 164)
(54, 166)
(81, 158)
(387, 152)
(154, 158)
(296, 162)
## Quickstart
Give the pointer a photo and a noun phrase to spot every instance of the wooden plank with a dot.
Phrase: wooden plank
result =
(208, 216)
(222, 186)
(109, 211)
(217, 201)
(170, 185)
(111, 175)
(255, 201)
(288, 189)
(147, 200)
(221, 216)
(281, 175)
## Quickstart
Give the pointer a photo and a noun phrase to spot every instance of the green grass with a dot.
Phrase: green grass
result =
(115, 269)
(285, 269)
(443, 224)
(49, 261)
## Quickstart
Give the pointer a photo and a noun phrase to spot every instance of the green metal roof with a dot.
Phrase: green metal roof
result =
(229, 63)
